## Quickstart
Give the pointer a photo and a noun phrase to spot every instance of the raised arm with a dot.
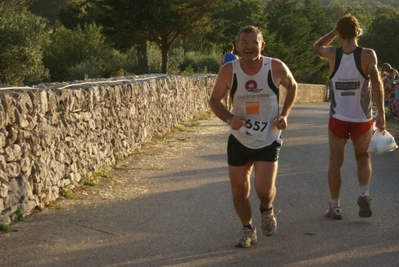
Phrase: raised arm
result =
(324, 50)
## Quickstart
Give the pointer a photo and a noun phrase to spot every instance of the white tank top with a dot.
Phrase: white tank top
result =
(255, 97)
(351, 94)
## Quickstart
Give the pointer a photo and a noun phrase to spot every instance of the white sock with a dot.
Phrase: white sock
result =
(364, 190)
(335, 203)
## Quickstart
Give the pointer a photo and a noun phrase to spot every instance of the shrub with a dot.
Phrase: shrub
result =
(200, 63)
(73, 51)
(22, 36)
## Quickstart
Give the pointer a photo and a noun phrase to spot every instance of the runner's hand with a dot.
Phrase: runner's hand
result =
(281, 122)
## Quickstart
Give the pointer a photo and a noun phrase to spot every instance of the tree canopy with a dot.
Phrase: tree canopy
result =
(383, 37)
(108, 37)
(157, 21)
(22, 38)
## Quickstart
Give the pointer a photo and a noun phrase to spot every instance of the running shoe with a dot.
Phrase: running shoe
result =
(247, 237)
(269, 223)
(364, 206)
(334, 212)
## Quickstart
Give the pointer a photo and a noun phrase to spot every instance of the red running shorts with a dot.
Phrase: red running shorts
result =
(347, 129)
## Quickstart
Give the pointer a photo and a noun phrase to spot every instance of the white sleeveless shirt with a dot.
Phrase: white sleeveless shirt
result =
(255, 97)
(351, 94)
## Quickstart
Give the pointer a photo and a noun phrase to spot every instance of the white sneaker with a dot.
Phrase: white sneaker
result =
(269, 223)
(247, 237)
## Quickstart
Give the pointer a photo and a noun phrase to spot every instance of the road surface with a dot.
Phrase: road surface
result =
(170, 205)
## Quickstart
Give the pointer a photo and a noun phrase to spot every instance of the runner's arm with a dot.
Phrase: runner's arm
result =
(283, 75)
(377, 89)
(222, 84)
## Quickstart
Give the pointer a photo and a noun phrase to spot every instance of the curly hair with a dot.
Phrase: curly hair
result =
(348, 27)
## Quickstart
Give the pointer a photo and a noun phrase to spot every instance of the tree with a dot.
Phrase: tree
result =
(76, 13)
(70, 48)
(383, 37)
(22, 37)
(158, 21)
(17, 5)
(319, 24)
(364, 17)
(231, 17)
(294, 28)
(47, 8)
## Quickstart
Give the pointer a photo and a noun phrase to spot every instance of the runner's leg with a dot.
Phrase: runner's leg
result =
(337, 155)
(240, 186)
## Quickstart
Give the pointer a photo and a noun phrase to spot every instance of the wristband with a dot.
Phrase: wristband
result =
(229, 119)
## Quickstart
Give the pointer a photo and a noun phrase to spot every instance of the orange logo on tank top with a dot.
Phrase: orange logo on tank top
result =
(252, 107)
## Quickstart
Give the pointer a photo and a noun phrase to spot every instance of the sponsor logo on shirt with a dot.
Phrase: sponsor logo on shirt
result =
(252, 107)
(347, 85)
(252, 87)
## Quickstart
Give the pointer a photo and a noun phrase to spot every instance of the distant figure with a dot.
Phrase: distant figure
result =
(354, 80)
(390, 83)
(392, 74)
(229, 56)
(394, 104)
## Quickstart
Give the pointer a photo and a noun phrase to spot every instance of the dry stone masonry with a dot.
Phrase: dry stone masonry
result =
(54, 135)
(51, 137)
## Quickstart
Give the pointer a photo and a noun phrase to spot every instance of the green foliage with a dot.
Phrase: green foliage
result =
(231, 17)
(111, 63)
(365, 4)
(195, 62)
(154, 59)
(383, 37)
(16, 5)
(180, 62)
(20, 214)
(294, 28)
(313, 70)
(189, 71)
(76, 13)
(157, 21)
(4, 227)
(184, 36)
(364, 17)
(176, 58)
(22, 37)
(103, 171)
(76, 51)
(128, 61)
(47, 8)
(116, 63)
(84, 70)
(92, 181)
(66, 193)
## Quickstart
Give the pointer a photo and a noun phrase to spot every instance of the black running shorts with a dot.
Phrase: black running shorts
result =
(239, 155)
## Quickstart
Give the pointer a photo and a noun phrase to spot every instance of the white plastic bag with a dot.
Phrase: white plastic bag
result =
(382, 142)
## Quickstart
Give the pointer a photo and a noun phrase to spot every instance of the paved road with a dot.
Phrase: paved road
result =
(171, 206)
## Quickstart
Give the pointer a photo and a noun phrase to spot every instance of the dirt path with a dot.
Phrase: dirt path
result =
(116, 183)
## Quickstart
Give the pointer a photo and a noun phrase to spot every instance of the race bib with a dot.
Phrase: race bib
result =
(256, 129)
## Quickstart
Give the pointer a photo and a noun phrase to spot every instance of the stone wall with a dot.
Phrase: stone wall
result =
(308, 93)
(52, 136)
